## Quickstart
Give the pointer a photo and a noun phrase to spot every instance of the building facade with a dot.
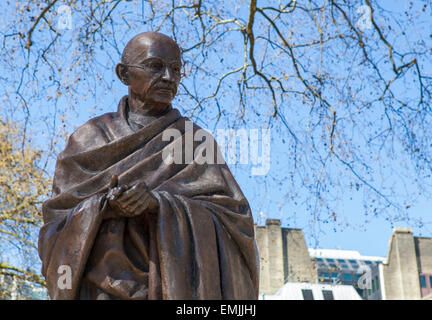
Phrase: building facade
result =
(284, 257)
(406, 272)
(347, 267)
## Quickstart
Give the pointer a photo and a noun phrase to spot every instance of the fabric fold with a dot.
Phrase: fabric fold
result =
(199, 245)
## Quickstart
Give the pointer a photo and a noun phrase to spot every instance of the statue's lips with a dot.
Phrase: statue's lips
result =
(164, 90)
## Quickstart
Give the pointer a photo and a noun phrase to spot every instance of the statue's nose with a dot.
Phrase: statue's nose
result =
(168, 74)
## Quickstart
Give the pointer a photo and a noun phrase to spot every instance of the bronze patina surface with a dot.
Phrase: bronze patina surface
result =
(128, 224)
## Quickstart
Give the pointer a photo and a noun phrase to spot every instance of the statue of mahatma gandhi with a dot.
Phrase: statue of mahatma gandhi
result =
(122, 223)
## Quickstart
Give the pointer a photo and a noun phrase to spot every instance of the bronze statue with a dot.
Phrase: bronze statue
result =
(129, 225)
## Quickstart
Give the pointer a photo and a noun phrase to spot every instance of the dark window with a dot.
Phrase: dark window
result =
(344, 266)
(377, 283)
(423, 282)
(353, 263)
(319, 260)
(330, 260)
(334, 276)
(430, 281)
(368, 262)
(332, 265)
(324, 275)
(347, 277)
(328, 295)
(365, 294)
(307, 294)
(341, 260)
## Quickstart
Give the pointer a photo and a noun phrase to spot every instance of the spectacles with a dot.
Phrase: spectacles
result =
(156, 65)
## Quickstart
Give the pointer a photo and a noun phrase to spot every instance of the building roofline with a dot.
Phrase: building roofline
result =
(341, 254)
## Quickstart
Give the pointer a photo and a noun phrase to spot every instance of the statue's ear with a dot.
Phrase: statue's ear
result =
(122, 74)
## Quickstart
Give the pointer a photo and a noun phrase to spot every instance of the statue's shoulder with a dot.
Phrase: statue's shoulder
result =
(91, 134)
(95, 126)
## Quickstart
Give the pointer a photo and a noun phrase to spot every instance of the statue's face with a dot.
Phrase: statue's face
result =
(155, 71)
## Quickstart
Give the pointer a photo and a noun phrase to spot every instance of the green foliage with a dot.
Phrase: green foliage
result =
(23, 185)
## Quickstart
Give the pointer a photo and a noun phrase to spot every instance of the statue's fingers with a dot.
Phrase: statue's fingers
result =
(131, 202)
(114, 181)
(129, 213)
(140, 187)
(142, 208)
(127, 199)
(124, 212)
(131, 192)
(117, 191)
(139, 205)
(115, 205)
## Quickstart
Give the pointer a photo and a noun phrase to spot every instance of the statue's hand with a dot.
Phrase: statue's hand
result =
(131, 202)
(113, 194)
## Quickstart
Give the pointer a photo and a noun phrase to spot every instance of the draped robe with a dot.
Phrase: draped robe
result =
(198, 245)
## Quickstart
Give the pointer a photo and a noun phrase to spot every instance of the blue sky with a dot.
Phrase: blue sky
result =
(275, 195)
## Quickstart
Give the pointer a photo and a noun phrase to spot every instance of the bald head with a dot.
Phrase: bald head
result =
(151, 68)
(139, 46)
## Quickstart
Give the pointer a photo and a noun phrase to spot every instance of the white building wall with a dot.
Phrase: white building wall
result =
(293, 291)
